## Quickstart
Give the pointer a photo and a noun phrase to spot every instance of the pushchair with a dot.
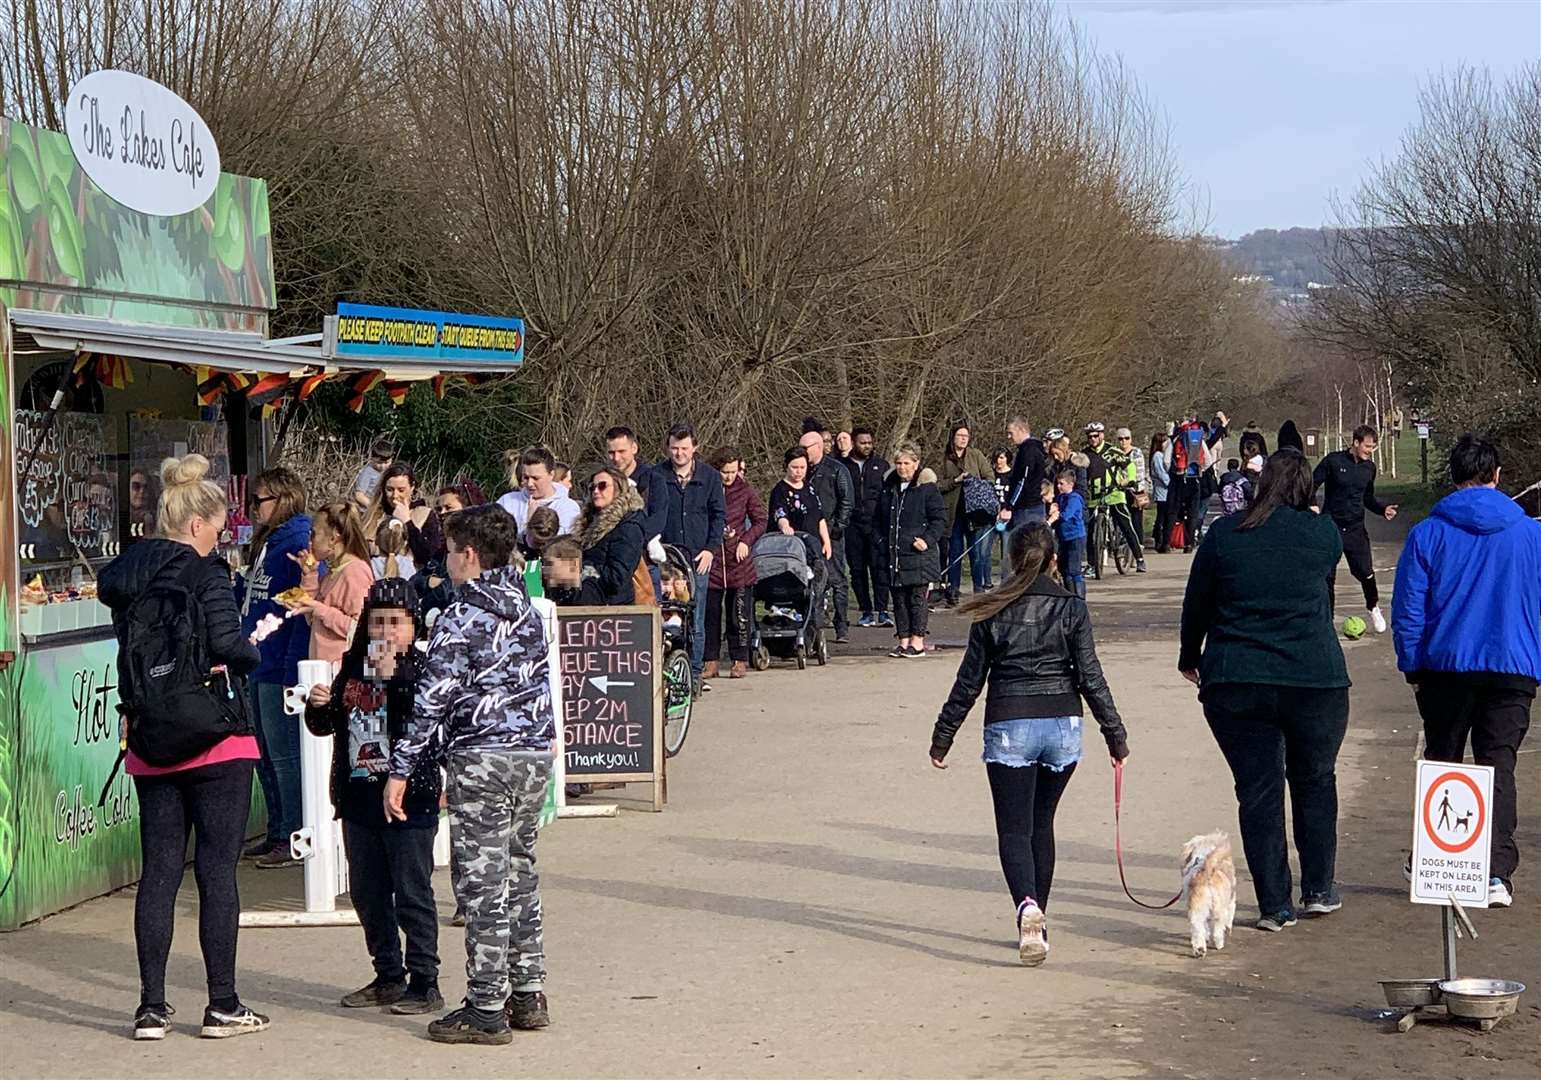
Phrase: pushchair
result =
(790, 598)
(676, 609)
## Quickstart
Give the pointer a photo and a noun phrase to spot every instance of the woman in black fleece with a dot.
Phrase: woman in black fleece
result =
(1032, 639)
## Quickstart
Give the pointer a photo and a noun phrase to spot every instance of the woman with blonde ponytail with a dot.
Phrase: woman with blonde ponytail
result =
(334, 602)
(1032, 640)
(182, 663)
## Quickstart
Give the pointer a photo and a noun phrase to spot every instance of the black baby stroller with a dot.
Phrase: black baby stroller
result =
(789, 600)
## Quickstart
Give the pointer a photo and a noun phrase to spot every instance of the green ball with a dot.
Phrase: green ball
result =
(1354, 627)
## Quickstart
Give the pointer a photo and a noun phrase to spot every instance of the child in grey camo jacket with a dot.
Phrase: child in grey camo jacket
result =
(484, 682)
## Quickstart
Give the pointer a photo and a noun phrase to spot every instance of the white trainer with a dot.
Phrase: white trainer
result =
(1033, 941)
(1377, 620)
(1498, 894)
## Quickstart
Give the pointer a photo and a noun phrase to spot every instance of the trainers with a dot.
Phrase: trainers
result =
(276, 858)
(842, 638)
(1321, 903)
(421, 997)
(885, 619)
(152, 1021)
(1277, 921)
(471, 1025)
(1032, 934)
(912, 653)
(1139, 567)
(1377, 620)
(222, 1024)
(382, 991)
(257, 847)
(899, 652)
(1498, 893)
(459, 918)
(867, 620)
(527, 1011)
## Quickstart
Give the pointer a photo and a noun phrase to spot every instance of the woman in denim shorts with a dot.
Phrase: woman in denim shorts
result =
(1032, 641)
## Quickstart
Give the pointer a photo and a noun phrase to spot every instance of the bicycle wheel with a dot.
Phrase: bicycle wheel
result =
(1098, 538)
(1123, 558)
(678, 700)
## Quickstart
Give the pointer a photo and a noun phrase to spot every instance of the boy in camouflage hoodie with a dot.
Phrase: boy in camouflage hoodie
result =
(484, 682)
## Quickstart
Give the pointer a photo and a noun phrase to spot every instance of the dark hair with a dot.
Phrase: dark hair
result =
(1286, 481)
(680, 432)
(724, 455)
(813, 425)
(1233, 463)
(620, 432)
(793, 454)
(955, 427)
(1158, 443)
(1254, 440)
(1473, 460)
(543, 527)
(862, 429)
(399, 468)
(289, 499)
(1029, 551)
(537, 455)
(999, 453)
(489, 530)
(1289, 437)
(1363, 432)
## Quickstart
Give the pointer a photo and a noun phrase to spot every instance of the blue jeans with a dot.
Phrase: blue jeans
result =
(698, 622)
(1052, 741)
(978, 541)
(281, 755)
(1072, 564)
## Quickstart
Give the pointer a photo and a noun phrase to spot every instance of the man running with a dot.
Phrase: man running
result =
(1349, 477)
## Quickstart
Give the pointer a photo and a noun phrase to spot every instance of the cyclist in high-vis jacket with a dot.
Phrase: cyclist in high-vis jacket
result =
(1111, 476)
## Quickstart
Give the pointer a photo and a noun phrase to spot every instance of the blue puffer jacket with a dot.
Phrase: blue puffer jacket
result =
(271, 572)
(1468, 588)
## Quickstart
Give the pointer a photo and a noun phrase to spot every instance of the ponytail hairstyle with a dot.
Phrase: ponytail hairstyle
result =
(391, 539)
(343, 519)
(186, 493)
(1030, 553)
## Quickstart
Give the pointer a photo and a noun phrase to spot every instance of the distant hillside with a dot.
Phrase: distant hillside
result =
(1291, 260)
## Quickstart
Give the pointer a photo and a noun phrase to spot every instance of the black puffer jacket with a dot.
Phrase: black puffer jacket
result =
(917, 511)
(1040, 660)
(124, 579)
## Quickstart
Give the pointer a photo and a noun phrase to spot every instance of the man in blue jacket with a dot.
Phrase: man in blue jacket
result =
(693, 516)
(1466, 620)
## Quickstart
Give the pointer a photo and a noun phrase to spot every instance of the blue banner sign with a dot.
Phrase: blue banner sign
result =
(387, 333)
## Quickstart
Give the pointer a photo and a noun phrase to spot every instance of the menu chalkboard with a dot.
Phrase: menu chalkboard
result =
(152, 440)
(67, 493)
(612, 720)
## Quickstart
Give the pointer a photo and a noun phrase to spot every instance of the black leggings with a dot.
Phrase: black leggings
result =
(740, 615)
(1025, 800)
(214, 802)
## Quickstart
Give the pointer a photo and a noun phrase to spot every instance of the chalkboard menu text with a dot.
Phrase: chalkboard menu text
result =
(612, 722)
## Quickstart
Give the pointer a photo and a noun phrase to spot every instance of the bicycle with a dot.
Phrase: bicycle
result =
(679, 690)
(1102, 536)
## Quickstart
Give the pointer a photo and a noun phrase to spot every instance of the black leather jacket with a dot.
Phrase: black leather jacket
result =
(1039, 647)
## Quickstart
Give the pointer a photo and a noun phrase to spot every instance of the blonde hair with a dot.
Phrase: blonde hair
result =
(391, 539)
(186, 493)
(909, 450)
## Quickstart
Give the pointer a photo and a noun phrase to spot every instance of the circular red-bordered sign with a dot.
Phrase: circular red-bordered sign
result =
(1428, 802)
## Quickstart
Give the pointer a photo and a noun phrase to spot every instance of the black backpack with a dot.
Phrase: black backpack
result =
(175, 707)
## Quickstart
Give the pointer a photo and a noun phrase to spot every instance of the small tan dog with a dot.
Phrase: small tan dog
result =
(1209, 880)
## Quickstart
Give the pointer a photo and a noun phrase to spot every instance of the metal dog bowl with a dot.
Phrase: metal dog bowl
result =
(1481, 999)
(1410, 993)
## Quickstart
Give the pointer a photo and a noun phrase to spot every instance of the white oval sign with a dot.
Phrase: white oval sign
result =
(141, 144)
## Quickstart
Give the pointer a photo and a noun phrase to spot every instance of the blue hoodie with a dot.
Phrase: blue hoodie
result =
(1468, 588)
(272, 572)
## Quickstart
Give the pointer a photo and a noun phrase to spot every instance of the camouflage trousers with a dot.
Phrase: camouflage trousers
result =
(495, 799)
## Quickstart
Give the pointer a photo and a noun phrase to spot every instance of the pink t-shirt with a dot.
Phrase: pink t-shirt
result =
(341, 595)
(230, 748)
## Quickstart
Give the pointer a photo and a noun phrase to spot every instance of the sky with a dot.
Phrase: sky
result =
(1275, 106)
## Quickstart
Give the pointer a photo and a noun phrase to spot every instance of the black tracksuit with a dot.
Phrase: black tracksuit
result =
(1350, 485)
(863, 536)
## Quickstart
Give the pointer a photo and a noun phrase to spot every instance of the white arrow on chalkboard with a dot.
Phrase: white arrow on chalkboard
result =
(603, 683)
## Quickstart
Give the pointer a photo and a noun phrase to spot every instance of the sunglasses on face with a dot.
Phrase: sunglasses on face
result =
(262, 500)
(602, 485)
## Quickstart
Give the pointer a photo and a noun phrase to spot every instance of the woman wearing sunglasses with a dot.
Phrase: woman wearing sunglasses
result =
(611, 531)
(283, 529)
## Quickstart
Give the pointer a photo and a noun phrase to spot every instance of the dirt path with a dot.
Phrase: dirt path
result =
(817, 901)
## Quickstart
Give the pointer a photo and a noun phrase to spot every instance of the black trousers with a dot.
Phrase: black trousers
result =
(1495, 719)
(1361, 562)
(869, 571)
(213, 803)
(1025, 799)
(839, 589)
(911, 615)
(390, 878)
(1272, 736)
(1183, 504)
(740, 602)
(1162, 534)
(1123, 521)
(1137, 515)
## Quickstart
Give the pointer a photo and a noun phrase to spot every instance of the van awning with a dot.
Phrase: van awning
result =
(224, 350)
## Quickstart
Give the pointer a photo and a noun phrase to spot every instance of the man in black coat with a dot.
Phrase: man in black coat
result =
(1024, 490)
(831, 483)
(863, 536)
